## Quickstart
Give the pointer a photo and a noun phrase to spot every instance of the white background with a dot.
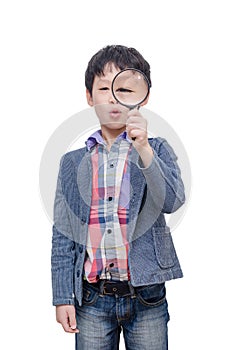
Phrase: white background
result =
(45, 48)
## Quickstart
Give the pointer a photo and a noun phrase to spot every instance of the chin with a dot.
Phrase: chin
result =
(112, 123)
(114, 126)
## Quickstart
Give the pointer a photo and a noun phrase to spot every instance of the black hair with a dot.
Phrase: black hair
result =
(118, 55)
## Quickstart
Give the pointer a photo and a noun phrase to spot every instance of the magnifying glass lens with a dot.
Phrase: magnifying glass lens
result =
(130, 87)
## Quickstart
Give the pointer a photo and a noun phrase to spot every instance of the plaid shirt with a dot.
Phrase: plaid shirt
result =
(107, 245)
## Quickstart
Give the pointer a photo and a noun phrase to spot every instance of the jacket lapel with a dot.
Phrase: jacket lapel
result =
(138, 183)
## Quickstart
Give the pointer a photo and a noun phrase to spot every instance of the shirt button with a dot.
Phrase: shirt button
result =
(110, 199)
(109, 230)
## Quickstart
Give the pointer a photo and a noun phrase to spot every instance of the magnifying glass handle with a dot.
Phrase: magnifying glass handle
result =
(137, 107)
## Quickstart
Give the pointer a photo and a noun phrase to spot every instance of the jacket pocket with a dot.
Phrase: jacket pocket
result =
(164, 247)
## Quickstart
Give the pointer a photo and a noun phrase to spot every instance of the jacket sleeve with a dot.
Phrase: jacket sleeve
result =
(163, 177)
(63, 247)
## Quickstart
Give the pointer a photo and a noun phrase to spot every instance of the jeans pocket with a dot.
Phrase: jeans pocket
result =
(164, 248)
(153, 295)
(90, 296)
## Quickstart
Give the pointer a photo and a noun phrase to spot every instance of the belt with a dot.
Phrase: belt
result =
(120, 288)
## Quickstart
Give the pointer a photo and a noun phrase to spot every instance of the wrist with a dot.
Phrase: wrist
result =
(146, 154)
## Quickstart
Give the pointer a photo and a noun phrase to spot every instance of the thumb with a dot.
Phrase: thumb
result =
(72, 318)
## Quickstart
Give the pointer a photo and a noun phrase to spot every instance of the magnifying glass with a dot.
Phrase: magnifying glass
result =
(130, 87)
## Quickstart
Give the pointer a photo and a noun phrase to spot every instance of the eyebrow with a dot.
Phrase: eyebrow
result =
(102, 80)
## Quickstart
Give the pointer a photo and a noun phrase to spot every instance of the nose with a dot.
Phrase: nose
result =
(111, 98)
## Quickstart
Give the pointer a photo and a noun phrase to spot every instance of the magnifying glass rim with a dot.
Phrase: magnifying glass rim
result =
(148, 87)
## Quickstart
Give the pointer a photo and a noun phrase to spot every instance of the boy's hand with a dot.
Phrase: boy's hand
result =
(66, 315)
(137, 127)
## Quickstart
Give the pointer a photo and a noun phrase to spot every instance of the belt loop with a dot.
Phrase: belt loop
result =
(132, 290)
(101, 287)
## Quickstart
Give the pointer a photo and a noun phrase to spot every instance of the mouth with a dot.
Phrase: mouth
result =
(115, 113)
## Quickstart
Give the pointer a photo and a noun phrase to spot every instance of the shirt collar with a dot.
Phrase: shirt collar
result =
(96, 138)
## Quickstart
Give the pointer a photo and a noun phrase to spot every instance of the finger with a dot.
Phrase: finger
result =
(66, 326)
(137, 121)
(72, 319)
(135, 134)
(134, 112)
(140, 128)
(68, 329)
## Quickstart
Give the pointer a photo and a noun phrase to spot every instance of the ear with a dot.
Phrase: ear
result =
(145, 101)
(89, 98)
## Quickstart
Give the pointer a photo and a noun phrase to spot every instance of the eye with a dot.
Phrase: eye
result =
(124, 90)
(104, 88)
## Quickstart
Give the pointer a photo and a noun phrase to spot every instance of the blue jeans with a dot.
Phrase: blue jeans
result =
(142, 315)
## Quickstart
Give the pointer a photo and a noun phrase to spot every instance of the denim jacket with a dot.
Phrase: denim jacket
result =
(155, 190)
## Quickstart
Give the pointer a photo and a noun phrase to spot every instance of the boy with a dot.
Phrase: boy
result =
(112, 251)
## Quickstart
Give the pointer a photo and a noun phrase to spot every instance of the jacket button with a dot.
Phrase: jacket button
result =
(78, 273)
(80, 249)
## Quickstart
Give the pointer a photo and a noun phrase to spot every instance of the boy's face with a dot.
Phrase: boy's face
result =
(112, 115)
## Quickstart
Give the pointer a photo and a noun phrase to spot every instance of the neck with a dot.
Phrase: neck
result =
(110, 135)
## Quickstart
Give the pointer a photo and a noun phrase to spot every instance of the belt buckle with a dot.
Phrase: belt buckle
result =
(115, 290)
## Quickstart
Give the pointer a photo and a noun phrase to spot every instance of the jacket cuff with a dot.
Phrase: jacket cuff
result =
(62, 301)
(154, 166)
